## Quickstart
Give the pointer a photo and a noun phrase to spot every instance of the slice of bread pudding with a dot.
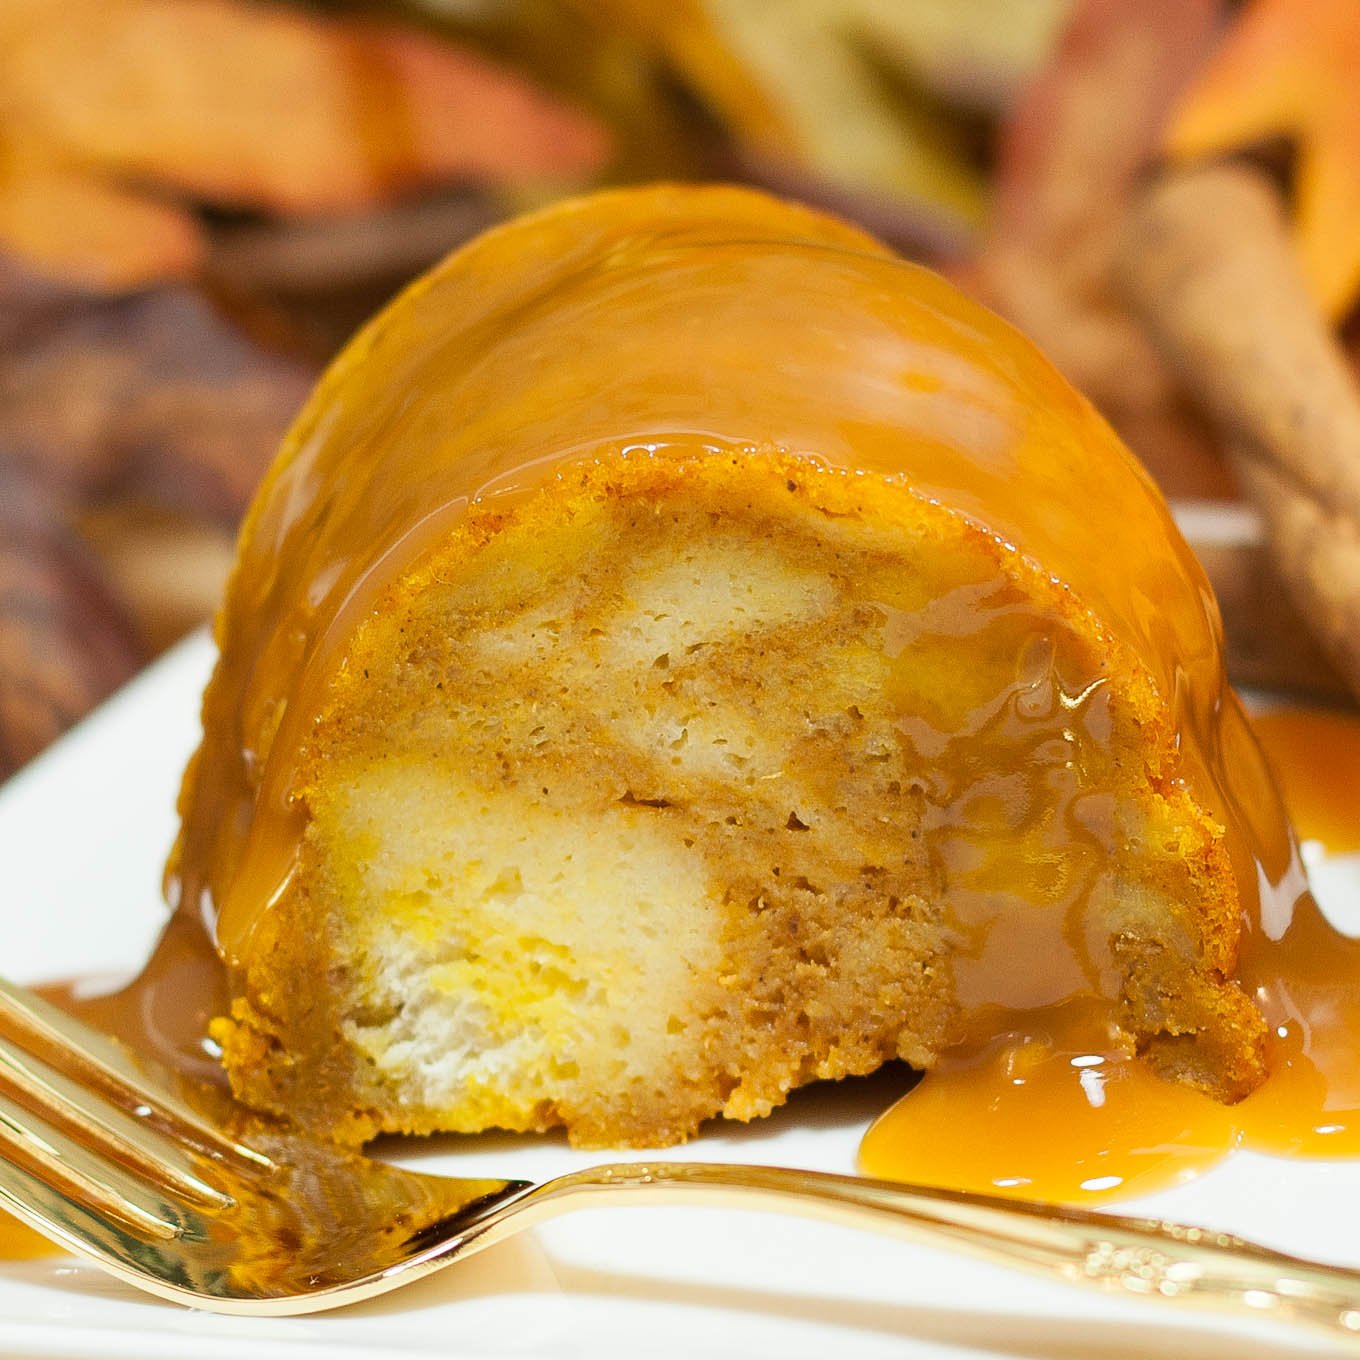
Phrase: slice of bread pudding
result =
(635, 751)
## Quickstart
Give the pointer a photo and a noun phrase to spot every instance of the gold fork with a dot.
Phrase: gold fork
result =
(106, 1162)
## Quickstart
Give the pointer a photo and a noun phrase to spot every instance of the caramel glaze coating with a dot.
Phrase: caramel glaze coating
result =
(676, 320)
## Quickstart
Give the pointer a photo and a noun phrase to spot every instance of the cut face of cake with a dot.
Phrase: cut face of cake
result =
(684, 653)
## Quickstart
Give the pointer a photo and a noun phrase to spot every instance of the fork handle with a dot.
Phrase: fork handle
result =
(1137, 1256)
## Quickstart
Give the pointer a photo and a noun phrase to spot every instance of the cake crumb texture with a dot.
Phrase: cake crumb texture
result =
(685, 781)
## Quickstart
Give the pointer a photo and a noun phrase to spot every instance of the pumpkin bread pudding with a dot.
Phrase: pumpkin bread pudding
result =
(683, 652)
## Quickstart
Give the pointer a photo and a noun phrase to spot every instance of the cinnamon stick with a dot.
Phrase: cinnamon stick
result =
(1206, 262)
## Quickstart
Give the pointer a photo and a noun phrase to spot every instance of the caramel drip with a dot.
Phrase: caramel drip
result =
(1045, 1111)
(1315, 756)
(163, 1013)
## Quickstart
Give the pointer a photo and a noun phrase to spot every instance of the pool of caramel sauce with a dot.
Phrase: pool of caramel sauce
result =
(1044, 1113)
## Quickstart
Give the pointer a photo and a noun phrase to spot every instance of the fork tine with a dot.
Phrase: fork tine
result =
(91, 1057)
(65, 1103)
(58, 1161)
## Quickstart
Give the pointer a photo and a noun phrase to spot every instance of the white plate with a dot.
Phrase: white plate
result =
(83, 833)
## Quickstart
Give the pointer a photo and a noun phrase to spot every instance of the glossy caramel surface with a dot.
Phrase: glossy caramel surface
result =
(667, 322)
(1044, 1111)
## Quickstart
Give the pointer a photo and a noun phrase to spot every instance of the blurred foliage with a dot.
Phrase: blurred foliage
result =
(1291, 70)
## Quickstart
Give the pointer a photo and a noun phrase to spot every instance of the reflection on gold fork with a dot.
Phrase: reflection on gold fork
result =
(100, 1157)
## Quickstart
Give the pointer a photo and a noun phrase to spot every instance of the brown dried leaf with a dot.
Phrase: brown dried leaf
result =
(154, 395)
(30, 302)
(308, 284)
(166, 570)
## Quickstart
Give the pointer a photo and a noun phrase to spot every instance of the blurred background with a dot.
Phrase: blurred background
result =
(200, 199)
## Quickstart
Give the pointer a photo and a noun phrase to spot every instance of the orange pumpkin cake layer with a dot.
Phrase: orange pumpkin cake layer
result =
(683, 651)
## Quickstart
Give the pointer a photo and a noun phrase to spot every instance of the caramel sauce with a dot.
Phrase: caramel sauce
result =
(1043, 1111)
(20, 1243)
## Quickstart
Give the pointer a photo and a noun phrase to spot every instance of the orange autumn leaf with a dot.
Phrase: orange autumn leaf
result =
(243, 105)
(91, 232)
(1291, 68)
